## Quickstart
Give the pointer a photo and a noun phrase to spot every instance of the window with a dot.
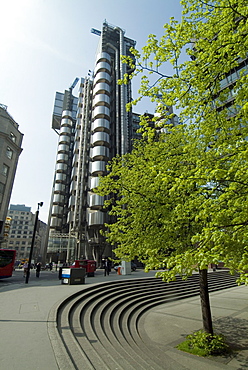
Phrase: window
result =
(223, 83)
(57, 110)
(2, 186)
(13, 137)
(242, 71)
(5, 170)
(9, 152)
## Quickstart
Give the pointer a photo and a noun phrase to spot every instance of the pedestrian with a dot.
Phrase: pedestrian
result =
(50, 266)
(106, 266)
(38, 268)
(25, 269)
(60, 272)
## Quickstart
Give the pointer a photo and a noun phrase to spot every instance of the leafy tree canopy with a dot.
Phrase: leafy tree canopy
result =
(180, 198)
(201, 50)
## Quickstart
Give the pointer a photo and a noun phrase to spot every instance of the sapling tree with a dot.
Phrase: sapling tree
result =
(179, 200)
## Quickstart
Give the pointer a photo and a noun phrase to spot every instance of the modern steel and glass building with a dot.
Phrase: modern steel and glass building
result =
(92, 128)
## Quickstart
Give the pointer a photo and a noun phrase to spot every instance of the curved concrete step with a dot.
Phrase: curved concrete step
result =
(98, 327)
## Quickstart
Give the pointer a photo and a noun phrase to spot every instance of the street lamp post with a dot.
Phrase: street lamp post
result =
(32, 243)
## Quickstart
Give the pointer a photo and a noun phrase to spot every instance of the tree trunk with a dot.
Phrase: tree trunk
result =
(205, 303)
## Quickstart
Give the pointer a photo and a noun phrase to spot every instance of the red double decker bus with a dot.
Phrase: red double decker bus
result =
(7, 261)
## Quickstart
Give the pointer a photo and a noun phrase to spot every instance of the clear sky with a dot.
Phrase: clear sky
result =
(45, 44)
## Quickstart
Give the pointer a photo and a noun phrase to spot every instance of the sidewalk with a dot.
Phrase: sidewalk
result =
(24, 310)
(168, 324)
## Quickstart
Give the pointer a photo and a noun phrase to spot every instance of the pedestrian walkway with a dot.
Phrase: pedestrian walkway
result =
(24, 311)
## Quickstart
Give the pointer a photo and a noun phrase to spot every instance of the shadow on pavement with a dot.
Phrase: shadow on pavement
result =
(235, 331)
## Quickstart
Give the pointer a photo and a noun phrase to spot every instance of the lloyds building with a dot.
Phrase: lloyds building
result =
(92, 128)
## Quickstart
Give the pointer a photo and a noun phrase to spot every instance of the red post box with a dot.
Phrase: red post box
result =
(89, 265)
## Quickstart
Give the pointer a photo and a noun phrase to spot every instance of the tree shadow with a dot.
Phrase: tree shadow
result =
(235, 331)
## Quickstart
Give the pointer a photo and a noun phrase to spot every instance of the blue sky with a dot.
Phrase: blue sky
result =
(45, 44)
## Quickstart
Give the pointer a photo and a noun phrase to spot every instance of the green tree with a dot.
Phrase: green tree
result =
(180, 199)
(154, 198)
(210, 89)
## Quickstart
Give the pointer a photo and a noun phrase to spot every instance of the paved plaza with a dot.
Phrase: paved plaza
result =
(24, 312)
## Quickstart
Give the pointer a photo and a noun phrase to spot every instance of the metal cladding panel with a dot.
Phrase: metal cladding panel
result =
(62, 157)
(76, 145)
(60, 176)
(61, 167)
(70, 217)
(96, 218)
(101, 86)
(75, 159)
(74, 171)
(101, 99)
(98, 167)
(73, 186)
(58, 198)
(100, 151)
(63, 147)
(65, 130)
(99, 138)
(100, 124)
(100, 111)
(102, 65)
(57, 210)
(96, 200)
(56, 222)
(66, 122)
(59, 187)
(102, 76)
(72, 201)
(66, 113)
(103, 55)
(64, 139)
(94, 182)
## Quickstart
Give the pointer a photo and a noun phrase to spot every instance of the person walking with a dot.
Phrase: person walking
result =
(38, 268)
(107, 266)
(25, 269)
